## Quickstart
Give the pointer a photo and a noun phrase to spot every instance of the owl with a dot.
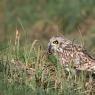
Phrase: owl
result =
(70, 53)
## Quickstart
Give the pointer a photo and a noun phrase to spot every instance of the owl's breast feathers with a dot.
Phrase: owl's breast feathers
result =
(76, 54)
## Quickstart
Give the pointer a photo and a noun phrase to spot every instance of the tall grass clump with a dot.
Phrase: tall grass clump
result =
(28, 70)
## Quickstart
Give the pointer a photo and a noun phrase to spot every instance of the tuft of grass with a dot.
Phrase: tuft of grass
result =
(31, 72)
(28, 70)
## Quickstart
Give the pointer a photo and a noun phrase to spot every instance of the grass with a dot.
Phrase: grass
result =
(28, 70)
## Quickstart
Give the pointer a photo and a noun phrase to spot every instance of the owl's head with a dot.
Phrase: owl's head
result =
(57, 44)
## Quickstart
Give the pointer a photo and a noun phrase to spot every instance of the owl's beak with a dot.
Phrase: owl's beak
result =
(49, 49)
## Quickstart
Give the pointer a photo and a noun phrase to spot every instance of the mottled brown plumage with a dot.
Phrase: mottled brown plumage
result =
(71, 53)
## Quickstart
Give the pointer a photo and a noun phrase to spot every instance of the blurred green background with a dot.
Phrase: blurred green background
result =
(41, 19)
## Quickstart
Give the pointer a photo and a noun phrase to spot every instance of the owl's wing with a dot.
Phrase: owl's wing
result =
(86, 61)
(87, 54)
(86, 67)
(89, 63)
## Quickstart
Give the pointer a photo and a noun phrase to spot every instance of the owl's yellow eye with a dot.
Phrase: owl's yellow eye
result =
(55, 42)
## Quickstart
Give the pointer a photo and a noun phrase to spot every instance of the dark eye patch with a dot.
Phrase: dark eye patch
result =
(55, 42)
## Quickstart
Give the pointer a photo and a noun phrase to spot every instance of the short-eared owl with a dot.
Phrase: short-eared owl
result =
(70, 53)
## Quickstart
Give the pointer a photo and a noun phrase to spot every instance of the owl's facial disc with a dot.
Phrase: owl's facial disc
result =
(53, 45)
(57, 44)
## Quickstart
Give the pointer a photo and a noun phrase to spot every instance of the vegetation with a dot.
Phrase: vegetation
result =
(28, 70)
(68, 14)
(25, 67)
